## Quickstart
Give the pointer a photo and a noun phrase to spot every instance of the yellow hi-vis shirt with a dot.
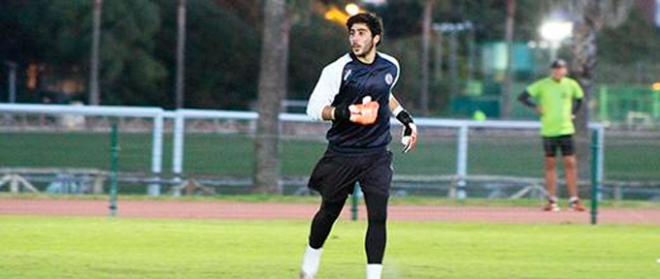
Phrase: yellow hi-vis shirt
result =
(556, 101)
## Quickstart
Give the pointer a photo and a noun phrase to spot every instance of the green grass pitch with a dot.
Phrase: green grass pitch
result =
(63, 247)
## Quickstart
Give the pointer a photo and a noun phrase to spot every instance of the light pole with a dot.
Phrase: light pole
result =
(507, 83)
(180, 54)
(94, 95)
(554, 32)
(426, 37)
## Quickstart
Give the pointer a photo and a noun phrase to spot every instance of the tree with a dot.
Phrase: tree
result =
(58, 35)
(221, 56)
(313, 45)
(616, 47)
(592, 16)
(272, 88)
(130, 74)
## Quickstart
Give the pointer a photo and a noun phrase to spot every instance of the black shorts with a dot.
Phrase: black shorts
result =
(564, 143)
(335, 175)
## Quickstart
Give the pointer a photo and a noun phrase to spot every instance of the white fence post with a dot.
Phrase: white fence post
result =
(177, 152)
(461, 162)
(156, 155)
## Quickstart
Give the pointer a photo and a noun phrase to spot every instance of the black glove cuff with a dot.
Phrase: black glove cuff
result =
(342, 113)
(405, 118)
(407, 131)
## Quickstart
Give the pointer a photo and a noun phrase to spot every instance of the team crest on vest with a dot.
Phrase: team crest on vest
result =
(389, 79)
(348, 73)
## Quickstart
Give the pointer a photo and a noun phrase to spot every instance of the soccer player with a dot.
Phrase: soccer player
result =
(557, 99)
(355, 93)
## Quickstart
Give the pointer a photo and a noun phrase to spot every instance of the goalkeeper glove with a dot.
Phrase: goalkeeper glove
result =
(363, 114)
(409, 134)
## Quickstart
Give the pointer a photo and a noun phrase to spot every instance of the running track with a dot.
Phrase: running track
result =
(266, 211)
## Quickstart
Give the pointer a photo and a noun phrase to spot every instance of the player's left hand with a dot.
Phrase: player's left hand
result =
(409, 137)
(365, 113)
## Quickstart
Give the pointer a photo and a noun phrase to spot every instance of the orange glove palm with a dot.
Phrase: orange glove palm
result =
(364, 114)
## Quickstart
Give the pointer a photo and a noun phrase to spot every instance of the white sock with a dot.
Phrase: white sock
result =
(311, 260)
(374, 271)
(573, 199)
(553, 199)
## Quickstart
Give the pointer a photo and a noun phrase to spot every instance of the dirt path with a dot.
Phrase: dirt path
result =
(247, 210)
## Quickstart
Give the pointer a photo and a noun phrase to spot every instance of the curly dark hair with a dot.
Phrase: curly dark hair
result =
(372, 21)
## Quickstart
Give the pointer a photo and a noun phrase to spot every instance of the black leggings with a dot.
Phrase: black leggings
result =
(376, 233)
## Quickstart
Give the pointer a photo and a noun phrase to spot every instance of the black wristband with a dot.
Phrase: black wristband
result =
(524, 98)
(342, 113)
(404, 117)
(577, 103)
